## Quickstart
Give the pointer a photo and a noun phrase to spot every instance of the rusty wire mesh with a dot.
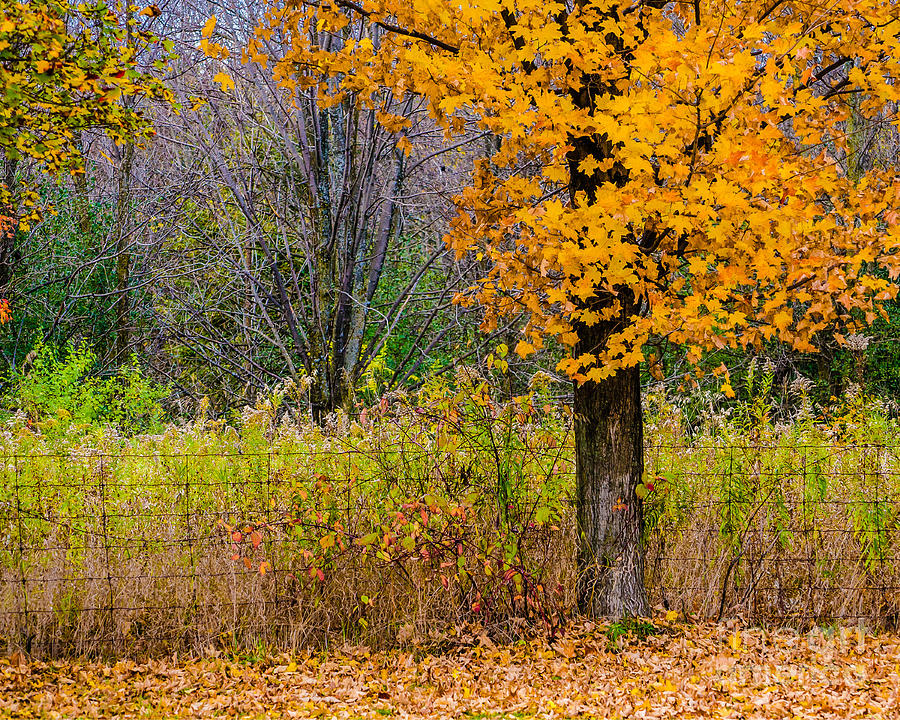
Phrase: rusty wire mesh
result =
(126, 551)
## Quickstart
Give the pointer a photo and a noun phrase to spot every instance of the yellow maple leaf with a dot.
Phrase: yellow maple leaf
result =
(225, 80)
(783, 320)
(209, 27)
(524, 349)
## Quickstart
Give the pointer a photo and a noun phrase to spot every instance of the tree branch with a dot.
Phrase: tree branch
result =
(415, 34)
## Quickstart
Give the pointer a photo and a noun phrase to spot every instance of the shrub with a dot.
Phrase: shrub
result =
(58, 389)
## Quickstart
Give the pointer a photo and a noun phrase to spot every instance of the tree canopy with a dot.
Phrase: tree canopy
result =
(64, 69)
(659, 169)
(689, 153)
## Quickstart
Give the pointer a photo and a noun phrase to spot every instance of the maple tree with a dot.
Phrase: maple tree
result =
(660, 169)
(65, 68)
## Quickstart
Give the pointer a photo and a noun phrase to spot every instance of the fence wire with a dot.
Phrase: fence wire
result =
(136, 552)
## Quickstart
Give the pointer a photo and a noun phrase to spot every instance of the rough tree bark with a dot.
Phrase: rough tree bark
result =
(609, 465)
(609, 426)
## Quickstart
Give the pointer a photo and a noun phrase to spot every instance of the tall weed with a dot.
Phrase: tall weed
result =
(426, 513)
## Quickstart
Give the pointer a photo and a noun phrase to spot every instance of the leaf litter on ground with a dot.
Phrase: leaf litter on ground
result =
(591, 671)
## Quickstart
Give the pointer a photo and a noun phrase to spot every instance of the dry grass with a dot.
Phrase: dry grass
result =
(128, 546)
(778, 533)
(135, 553)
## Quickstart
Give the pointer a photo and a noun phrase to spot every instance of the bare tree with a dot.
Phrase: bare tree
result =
(306, 240)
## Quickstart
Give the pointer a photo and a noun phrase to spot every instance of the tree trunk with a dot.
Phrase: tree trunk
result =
(124, 229)
(609, 464)
(122, 310)
(609, 425)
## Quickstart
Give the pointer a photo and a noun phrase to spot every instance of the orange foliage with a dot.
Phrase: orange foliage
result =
(719, 200)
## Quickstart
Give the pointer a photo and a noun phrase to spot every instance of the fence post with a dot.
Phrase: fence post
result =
(269, 554)
(808, 534)
(104, 526)
(881, 528)
(26, 636)
(190, 542)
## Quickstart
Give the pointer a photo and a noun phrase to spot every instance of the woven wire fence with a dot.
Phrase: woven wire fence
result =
(131, 552)
(795, 534)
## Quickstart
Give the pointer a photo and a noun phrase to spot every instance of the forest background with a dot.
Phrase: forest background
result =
(249, 241)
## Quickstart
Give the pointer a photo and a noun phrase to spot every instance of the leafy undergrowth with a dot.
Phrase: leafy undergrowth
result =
(422, 513)
(593, 671)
